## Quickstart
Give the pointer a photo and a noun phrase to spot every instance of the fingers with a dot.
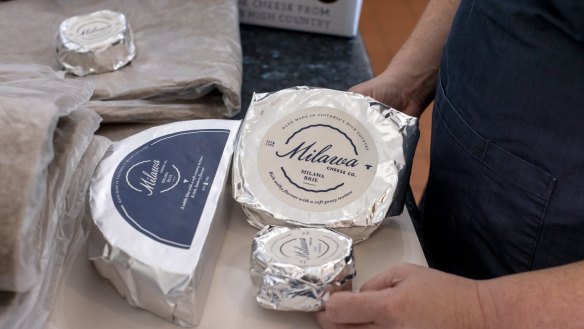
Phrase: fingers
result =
(381, 281)
(348, 307)
(373, 305)
(389, 278)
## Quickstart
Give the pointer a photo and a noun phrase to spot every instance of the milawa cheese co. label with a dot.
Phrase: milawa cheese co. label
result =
(161, 188)
(307, 247)
(91, 29)
(317, 159)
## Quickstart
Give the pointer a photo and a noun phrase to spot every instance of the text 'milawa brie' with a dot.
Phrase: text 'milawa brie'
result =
(322, 158)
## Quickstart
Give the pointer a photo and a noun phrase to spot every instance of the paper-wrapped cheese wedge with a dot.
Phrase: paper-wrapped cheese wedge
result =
(158, 203)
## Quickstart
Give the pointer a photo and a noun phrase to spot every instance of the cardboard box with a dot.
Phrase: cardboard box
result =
(337, 17)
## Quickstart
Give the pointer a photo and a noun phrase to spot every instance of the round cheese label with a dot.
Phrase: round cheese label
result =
(161, 188)
(95, 28)
(308, 247)
(317, 159)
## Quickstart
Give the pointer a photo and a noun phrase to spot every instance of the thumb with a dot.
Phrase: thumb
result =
(363, 88)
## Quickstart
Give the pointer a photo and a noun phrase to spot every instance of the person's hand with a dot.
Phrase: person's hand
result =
(386, 89)
(407, 296)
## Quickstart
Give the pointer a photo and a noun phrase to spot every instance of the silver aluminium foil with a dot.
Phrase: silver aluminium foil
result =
(297, 269)
(95, 43)
(314, 157)
(160, 208)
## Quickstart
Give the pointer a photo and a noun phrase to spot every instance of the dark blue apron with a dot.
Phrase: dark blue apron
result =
(505, 192)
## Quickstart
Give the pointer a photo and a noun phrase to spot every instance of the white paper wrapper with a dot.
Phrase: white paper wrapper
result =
(298, 269)
(158, 204)
(323, 158)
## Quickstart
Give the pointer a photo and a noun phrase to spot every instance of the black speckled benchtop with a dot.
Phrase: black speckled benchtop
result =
(275, 59)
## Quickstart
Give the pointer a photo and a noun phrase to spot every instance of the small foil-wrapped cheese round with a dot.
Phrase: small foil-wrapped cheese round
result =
(315, 157)
(297, 269)
(95, 43)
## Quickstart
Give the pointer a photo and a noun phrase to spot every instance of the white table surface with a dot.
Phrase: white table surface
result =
(87, 301)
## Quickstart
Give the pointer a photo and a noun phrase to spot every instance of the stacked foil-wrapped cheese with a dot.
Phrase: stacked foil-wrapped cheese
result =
(317, 159)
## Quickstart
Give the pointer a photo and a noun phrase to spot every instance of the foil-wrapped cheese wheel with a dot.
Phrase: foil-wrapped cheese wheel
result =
(297, 269)
(95, 43)
(314, 157)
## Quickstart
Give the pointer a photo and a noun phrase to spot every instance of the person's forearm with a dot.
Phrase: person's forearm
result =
(552, 298)
(416, 64)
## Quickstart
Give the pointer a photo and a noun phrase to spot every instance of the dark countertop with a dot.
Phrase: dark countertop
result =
(275, 59)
